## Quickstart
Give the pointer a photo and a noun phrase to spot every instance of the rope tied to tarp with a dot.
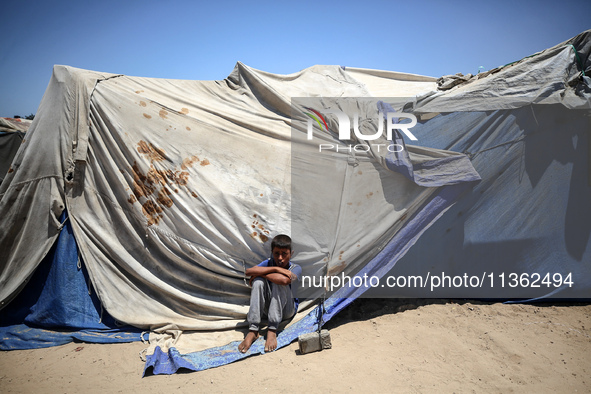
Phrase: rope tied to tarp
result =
(62, 224)
(472, 155)
(578, 59)
(321, 308)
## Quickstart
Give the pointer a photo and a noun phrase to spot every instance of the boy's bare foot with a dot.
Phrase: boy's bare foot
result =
(271, 343)
(250, 338)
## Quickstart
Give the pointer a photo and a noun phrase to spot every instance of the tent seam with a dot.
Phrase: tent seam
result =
(12, 186)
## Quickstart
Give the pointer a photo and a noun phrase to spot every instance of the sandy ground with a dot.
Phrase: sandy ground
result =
(410, 346)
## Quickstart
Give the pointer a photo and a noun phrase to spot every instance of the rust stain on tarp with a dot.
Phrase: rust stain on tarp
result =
(152, 211)
(150, 151)
(188, 162)
(262, 237)
(337, 268)
(152, 189)
(163, 198)
(262, 234)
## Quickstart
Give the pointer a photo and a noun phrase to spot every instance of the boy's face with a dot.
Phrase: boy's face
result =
(282, 256)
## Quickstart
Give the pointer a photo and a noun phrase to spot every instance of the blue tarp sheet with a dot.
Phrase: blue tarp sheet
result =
(529, 215)
(58, 305)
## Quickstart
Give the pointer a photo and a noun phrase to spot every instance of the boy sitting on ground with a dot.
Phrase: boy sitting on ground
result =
(273, 293)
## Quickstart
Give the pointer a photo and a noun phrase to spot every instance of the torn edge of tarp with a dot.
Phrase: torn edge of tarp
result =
(451, 169)
(170, 362)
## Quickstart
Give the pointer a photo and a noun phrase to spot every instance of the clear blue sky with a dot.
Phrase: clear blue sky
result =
(181, 39)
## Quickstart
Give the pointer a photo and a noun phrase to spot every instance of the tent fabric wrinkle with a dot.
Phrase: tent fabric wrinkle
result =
(548, 77)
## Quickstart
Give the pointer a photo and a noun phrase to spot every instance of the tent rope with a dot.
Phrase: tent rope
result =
(321, 308)
(142, 354)
(59, 228)
(578, 59)
(244, 272)
(472, 155)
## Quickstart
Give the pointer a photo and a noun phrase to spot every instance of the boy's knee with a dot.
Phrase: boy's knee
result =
(258, 282)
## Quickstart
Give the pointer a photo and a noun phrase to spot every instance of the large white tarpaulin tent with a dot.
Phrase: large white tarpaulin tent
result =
(172, 188)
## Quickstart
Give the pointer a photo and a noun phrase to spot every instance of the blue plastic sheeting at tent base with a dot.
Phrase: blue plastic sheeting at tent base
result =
(168, 363)
(20, 336)
(58, 305)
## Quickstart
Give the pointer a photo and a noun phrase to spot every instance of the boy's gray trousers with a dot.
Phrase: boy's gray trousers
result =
(271, 300)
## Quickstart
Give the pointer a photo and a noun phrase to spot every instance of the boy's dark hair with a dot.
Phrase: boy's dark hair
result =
(281, 241)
